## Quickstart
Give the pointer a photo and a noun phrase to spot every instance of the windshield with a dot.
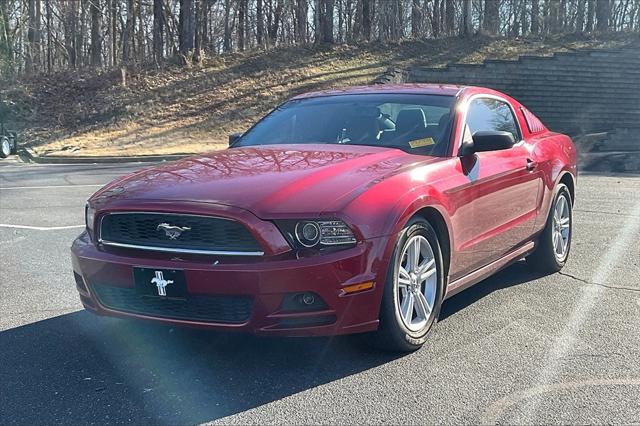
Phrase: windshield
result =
(419, 124)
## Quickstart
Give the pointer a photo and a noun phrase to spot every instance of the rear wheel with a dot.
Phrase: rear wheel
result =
(555, 241)
(13, 139)
(413, 289)
(5, 147)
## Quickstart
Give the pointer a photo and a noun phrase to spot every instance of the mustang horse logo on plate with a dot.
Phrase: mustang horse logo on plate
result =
(171, 231)
(161, 283)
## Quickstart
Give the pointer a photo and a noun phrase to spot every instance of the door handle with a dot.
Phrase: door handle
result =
(531, 165)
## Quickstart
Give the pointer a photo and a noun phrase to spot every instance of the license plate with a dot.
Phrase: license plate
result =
(160, 283)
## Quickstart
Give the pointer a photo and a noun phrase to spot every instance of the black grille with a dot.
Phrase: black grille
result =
(219, 309)
(196, 232)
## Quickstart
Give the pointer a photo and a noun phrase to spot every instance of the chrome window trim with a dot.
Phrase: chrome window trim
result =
(173, 250)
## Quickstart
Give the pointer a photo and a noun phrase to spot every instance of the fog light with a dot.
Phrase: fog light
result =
(307, 301)
(308, 298)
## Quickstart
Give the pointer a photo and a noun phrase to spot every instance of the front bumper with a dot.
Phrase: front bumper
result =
(267, 281)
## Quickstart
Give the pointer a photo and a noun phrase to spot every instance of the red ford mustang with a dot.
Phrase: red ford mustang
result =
(346, 211)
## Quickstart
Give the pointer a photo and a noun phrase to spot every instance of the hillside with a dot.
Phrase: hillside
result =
(185, 110)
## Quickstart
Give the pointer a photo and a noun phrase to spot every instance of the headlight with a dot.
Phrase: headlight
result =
(89, 216)
(316, 233)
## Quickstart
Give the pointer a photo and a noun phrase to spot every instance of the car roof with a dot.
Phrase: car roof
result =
(424, 89)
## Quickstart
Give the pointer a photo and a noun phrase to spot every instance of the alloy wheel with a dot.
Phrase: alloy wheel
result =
(416, 283)
(561, 227)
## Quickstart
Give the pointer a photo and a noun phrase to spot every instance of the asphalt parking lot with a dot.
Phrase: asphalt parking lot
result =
(517, 348)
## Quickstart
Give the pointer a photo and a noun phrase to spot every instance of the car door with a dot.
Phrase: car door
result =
(498, 195)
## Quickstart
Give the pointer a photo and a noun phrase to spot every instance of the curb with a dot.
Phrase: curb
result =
(28, 155)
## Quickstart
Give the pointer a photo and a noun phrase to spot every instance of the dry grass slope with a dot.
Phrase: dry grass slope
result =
(187, 110)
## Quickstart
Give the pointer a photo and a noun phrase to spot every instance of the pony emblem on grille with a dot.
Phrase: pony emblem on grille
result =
(161, 283)
(171, 231)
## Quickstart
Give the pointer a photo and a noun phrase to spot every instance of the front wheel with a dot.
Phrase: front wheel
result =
(554, 244)
(413, 289)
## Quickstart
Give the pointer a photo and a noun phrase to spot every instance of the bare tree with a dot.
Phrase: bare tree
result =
(329, 6)
(127, 34)
(260, 20)
(96, 37)
(449, 17)
(242, 13)
(416, 18)
(301, 12)
(227, 26)
(186, 32)
(158, 31)
(535, 16)
(603, 14)
(114, 31)
(30, 63)
(467, 24)
(491, 16)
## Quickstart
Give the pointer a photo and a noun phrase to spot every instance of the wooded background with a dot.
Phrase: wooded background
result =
(44, 36)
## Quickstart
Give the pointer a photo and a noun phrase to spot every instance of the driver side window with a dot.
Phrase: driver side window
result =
(487, 114)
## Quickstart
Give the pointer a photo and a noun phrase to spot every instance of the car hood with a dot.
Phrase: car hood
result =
(269, 181)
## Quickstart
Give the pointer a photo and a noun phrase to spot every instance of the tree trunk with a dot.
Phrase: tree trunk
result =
(140, 33)
(29, 65)
(302, 10)
(227, 27)
(186, 29)
(204, 25)
(275, 23)
(318, 20)
(580, 17)
(366, 19)
(450, 17)
(416, 19)
(524, 23)
(591, 10)
(114, 31)
(340, 21)
(158, 31)
(435, 19)
(260, 20)
(80, 33)
(535, 16)
(553, 16)
(127, 33)
(96, 40)
(603, 14)
(328, 21)
(491, 17)
(242, 10)
(70, 33)
(390, 26)
(38, 37)
(49, 42)
(467, 24)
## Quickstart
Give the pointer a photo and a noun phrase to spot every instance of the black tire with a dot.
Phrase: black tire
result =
(5, 147)
(392, 334)
(544, 258)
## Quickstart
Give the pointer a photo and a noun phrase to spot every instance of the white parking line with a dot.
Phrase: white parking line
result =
(54, 186)
(40, 228)
(565, 342)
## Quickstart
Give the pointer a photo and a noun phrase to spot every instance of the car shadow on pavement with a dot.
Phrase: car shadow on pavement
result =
(79, 368)
(516, 274)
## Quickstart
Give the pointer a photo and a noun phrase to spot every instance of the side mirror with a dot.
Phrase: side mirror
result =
(234, 137)
(488, 141)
